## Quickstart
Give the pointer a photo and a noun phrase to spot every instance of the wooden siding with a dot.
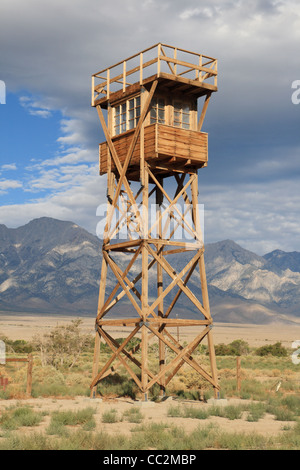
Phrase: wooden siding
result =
(160, 142)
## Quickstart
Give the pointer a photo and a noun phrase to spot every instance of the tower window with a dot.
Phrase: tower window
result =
(157, 112)
(182, 115)
(126, 115)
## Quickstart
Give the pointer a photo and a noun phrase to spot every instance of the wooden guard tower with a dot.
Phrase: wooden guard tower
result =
(148, 109)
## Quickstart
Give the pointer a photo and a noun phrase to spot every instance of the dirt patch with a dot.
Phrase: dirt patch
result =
(151, 412)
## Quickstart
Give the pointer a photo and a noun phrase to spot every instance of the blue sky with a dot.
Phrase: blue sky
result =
(49, 133)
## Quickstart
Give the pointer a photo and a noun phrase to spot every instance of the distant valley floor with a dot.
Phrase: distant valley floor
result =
(25, 326)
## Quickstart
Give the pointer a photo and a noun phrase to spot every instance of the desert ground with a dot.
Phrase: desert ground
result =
(151, 412)
(25, 326)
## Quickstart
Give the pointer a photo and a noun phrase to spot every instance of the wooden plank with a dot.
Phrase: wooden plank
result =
(189, 360)
(12, 359)
(126, 288)
(185, 224)
(180, 354)
(117, 352)
(114, 291)
(121, 295)
(120, 76)
(198, 86)
(187, 64)
(177, 279)
(203, 112)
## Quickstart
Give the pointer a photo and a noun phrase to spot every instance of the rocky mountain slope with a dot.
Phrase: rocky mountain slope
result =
(54, 266)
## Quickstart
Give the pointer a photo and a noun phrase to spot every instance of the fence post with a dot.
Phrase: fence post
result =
(238, 373)
(29, 375)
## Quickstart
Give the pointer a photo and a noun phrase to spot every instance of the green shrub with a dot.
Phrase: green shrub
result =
(174, 412)
(14, 418)
(256, 411)
(232, 412)
(133, 415)
(60, 419)
(238, 347)
(272, 350)
(195, 413)
(110, 416)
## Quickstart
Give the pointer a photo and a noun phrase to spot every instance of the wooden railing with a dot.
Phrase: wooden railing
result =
(154, 61)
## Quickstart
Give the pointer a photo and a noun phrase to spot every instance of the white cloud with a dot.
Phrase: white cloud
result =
(76, 204)
(7, 184)
(35, 108)
(9, 166)
(205, 12)
(259, 217)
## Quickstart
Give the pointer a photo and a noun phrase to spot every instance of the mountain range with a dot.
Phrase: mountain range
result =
(53, 266)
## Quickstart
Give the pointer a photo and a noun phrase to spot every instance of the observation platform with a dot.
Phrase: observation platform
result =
(170, 138)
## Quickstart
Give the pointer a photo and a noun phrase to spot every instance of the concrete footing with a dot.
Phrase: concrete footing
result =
(217, 401)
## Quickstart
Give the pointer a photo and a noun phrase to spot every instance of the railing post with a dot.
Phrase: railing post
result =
(216, 70)
(175, 57)
(93, 90)
(141, 68)
(200, 71)
(108, 80)
(124, 76)
(158, 59)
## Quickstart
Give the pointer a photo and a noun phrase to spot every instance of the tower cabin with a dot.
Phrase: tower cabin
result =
(153, 97)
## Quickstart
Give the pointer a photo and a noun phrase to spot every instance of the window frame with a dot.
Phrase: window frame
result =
(179, 120)
(125, 116)
(158, 105)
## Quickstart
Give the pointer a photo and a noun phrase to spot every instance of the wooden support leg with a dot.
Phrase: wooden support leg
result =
(96, 362)
(145, 287)
(161, 344)
(98, 338)
(101, 300)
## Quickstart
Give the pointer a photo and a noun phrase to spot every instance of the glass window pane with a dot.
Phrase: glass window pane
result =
(131, 104)
(185, 118)
(153, 113)
(161, 115)
(138, 101)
